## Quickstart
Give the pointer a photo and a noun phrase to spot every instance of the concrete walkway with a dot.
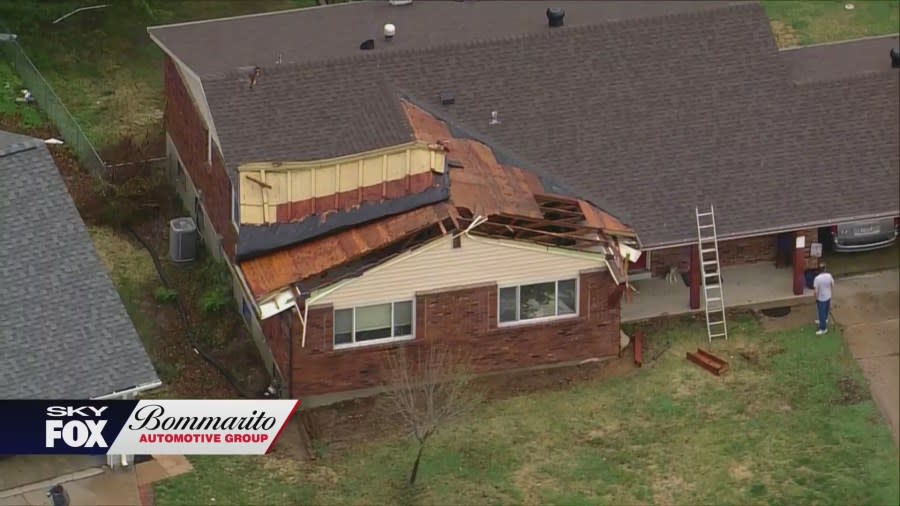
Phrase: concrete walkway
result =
(868, 309)
(106, 487)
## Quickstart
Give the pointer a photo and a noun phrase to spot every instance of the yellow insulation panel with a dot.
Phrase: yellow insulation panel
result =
(297, 181)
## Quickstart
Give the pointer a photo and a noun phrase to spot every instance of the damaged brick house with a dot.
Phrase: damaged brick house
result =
(474, 172)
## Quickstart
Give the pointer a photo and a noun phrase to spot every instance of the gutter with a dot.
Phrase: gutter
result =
(129, 391)
(775, 230)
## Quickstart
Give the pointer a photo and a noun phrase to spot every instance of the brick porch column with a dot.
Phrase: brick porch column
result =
(799, 262)
(695, 277)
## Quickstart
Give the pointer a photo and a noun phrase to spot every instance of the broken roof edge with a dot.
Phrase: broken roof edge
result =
(551, 186)
(363, 56)
(258, 240)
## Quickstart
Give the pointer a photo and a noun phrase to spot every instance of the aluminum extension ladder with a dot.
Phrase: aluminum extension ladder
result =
(710, 273)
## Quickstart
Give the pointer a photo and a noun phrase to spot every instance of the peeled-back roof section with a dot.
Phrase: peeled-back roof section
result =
(511, 198)
(291, 117)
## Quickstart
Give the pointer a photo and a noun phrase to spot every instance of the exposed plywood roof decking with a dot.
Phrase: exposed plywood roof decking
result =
(271, 272)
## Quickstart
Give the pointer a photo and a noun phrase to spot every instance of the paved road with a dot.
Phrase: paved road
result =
(868, 309)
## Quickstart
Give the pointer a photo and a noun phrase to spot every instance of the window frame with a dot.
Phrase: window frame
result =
(373, 342)
(518, 286)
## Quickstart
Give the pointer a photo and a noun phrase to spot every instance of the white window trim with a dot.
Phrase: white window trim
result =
(542, 319)
(384, 340)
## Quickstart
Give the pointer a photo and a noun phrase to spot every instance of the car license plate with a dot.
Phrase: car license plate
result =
(871, 229)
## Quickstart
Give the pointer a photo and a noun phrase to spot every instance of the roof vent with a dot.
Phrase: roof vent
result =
(389, 31)
(367, 44)
(495, 118)
(895, 58)
(555, 16)
(400, 2)
(448, 98)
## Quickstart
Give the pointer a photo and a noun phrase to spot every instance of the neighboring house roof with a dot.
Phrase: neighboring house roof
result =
(646, 115)
(64, 332)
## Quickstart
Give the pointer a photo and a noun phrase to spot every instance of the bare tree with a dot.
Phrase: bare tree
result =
(428, 392)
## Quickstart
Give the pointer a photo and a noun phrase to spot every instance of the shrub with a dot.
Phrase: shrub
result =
(215, 299)
(164, 295)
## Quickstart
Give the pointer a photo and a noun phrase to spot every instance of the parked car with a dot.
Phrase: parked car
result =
(861, 235)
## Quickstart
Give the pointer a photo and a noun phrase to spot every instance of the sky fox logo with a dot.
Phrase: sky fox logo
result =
(76, 433)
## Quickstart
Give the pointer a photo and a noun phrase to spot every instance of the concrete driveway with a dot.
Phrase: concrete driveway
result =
(868, 309)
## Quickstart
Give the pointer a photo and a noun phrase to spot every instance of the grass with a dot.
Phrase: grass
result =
(102, 63)
(27, 117)
(791, 422)
(810, 22)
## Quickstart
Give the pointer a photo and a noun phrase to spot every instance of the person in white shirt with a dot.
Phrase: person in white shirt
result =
(823, 284)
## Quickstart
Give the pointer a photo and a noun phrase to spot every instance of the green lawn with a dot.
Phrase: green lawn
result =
(102, 63)
(791, 422)
(810, 22)
(25, 117)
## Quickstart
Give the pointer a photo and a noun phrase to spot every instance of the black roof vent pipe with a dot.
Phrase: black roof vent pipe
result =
(895, 58)
(555, 16)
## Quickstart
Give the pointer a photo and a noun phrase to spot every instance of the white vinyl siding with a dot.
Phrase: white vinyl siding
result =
(436, 267)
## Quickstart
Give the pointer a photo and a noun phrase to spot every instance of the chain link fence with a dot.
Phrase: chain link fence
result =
(52, 106)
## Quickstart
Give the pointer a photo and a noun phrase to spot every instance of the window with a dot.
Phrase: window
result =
(373, 324)
(551, 299)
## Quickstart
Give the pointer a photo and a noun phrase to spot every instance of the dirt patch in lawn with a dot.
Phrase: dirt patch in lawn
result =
(851, 392)
(785, 35)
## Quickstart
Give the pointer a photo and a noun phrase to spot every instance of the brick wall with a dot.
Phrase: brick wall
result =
(761, 248)
(189, 135)
(466, 318)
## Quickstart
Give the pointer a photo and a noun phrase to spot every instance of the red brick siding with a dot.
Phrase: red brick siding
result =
(189, 135)
(736, 252)
(277, 330)
(466, 318)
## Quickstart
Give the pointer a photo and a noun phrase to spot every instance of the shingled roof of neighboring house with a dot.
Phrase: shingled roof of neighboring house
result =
(646, 115)
(64, 333)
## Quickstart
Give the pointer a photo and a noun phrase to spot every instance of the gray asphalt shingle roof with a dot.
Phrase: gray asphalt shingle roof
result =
(64, 332)
(333, 32)
(646, 117)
